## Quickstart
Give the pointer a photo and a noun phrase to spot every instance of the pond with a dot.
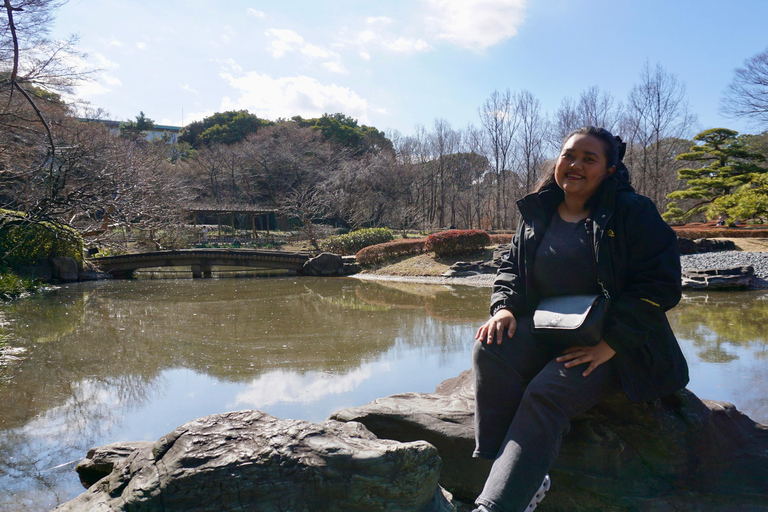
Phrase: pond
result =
(132, 360)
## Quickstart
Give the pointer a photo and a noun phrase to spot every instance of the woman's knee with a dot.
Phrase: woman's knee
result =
(494, 354)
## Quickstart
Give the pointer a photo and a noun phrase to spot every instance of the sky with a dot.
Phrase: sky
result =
(400, 64)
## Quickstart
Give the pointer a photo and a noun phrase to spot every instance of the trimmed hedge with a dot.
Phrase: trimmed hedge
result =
(709, 232)
(502, 239)
(352, 242)
(380, 252)
(457, 241)
(24, 242)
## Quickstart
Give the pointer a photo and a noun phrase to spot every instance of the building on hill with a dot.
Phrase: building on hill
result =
(158, 132)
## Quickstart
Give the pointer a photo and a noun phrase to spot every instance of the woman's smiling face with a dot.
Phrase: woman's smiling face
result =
(581, 166)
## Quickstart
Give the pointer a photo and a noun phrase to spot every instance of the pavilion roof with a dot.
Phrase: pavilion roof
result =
(230, 208)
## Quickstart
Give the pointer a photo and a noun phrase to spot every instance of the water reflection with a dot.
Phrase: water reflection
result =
(716, 322)
(131, 360)
(724, 339)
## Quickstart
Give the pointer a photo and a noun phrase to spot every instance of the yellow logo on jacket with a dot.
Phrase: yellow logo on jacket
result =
(611, 233)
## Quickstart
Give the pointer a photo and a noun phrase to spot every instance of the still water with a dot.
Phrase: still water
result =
(132, 360)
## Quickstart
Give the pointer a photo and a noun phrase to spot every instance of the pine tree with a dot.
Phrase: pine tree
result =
(727, 182)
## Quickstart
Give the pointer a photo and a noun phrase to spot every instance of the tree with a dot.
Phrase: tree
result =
(135, 129)
(728, 182)
(33, 71)
(308, 204)
(499, 119)
(345, 132)
(595, 108)
(530, 139)
(227, 128)
(657, 115)
(747, 94)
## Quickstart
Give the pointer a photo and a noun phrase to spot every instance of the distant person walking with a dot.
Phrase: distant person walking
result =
(584, 230)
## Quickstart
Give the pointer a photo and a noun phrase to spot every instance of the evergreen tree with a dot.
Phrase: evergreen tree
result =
(221, 128)
(727, 182)
(135, 129)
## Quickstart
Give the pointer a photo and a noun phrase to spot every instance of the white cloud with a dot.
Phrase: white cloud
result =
(90, 89)
(256, 14)
(231, 64)
(403, 45)
(476, 24)
(285, 35)
(110, 80)
(334, 67)
(98, 83)
(285, 41)
(311, 50)
(272, 98)
(378, 19)
(188, 87)
(104, 62)
(368, 38)
(365, 55)
(141, 46)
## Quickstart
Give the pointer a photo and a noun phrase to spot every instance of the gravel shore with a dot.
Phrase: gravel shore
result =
(723, 259)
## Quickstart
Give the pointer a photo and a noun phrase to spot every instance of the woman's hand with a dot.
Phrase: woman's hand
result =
(595, 356)
(494, 328)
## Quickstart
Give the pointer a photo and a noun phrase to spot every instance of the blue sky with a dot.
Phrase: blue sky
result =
(401, 63)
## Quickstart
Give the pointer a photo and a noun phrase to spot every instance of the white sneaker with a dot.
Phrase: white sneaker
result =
(539, 494)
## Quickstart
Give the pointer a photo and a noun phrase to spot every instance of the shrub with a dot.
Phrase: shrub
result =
(24, 242)
(457, 241)
(707, 232)
(502, 239)
(13, 286)
(352, 242)
(380, 252)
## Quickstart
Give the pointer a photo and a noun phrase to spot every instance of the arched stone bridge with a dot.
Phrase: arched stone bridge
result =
(200, 261)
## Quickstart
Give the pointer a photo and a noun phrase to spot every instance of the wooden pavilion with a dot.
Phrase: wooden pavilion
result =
(261, 217)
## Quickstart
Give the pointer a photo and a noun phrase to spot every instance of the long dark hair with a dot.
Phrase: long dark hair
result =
(613, 151)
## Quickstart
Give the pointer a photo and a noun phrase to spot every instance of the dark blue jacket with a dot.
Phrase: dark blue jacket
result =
(639, 264)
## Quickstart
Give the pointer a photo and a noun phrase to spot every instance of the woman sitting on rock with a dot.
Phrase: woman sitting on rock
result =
(583, 231)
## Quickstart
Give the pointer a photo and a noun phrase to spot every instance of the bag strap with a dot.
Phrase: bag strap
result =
(590, 234)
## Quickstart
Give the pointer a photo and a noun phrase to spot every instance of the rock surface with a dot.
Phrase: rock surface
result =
(718, 279)
(61, 270)
(324, 264)
(64, 269)
(702, 245)
(681, 454)
(469, 268)
(249, 460)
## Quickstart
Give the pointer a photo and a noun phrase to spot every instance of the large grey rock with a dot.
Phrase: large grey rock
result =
(701, 245)
(324, 264)
(681, 454)
(64, 269)
(468, 268)
(249, 460)
(100, 461)
(718, 278)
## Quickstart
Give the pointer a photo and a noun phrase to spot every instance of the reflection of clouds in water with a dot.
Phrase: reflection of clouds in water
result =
(290, 387)
(92, 409)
